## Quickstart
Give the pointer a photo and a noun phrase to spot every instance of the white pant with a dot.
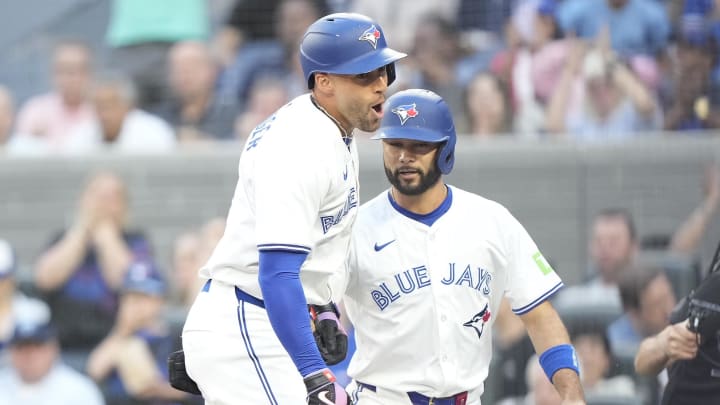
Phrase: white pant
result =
(362, 395)
(233, 354)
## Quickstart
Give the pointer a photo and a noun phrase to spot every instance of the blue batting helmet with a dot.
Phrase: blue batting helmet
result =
(420, 115)
(346, 43)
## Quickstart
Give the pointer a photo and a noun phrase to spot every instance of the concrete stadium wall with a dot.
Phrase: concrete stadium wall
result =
(553, 188)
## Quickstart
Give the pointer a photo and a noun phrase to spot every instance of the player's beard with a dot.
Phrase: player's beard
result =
(427, 180)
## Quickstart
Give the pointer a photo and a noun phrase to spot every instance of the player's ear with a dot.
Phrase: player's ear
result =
(323, 83)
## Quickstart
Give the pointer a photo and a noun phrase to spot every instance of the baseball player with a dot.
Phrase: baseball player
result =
(428, 266)
(248, 336)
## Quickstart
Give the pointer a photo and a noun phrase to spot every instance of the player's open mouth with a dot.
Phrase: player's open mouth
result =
(378, 108)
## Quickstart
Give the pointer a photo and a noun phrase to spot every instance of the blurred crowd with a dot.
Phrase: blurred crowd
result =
(587, 70)
(97, 318)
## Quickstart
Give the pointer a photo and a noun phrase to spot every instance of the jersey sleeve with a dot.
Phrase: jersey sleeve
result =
(290, 182)
(531, 279)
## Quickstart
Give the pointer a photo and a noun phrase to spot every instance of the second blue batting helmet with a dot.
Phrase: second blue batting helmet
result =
(420, 115)
(346, 43)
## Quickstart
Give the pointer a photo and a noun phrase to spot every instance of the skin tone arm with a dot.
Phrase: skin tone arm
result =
(57, 264)
(633, 89)
(558, 105)
(113, 253)
(687, 238)
(657, 352)
(547, 330)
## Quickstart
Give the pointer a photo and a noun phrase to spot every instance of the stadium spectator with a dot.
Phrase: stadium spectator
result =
(84, 265)
(195, 110)
(276, 57)
(254, 21)
(131, 362)
(540, 390)
(401, 19)
(647, 300)
(7, 114)
(595, 358)
(436, 54)
(635, 26)
(120, 126)
(531, 65)
(13, 302)
(140, 34)
(185, 260)
(610, 103)
(37, 375)
(488, 107)
(486, 18)
(694, 99)
(266, 96)
(52, 117)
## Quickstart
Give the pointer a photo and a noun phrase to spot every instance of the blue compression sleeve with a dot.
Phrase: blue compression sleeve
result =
(287, 308)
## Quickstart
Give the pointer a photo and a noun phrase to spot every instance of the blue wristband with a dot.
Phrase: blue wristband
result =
(559, 357)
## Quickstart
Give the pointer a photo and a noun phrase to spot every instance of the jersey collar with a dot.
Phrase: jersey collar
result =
(429, 218)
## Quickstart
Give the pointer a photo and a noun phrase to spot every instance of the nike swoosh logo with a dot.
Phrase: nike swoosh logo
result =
(381, 247)
(324, 399)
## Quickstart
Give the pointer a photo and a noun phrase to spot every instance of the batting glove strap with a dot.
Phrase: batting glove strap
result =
(323, 390)
(329, 333)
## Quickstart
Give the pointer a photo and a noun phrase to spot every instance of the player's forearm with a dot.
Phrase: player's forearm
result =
(651, 357)
(60, 261)
(287, 308)
(545, 327)
(567, 384)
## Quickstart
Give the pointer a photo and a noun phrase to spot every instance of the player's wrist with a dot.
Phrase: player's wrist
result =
(559, 357)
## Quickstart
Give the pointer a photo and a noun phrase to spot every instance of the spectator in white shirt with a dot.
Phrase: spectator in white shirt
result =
(120, 125)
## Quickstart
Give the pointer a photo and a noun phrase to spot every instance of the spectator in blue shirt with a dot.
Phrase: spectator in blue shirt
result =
(82, 270)
(636, 26)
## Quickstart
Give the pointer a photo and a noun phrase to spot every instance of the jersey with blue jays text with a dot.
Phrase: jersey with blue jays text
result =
(297, 191)
(423, 298)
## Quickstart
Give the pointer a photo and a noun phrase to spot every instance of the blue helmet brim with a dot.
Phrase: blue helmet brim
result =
(411, 133)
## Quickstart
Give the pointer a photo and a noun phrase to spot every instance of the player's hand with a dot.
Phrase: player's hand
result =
(330, 335)
(323, 390)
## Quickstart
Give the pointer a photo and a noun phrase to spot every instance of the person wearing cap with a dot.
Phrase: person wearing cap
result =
(12, 301)
(130, 363)
(37, 375)
(288, 230)
(429, 264)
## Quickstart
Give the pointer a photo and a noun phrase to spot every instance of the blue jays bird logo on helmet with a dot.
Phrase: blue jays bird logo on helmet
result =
(370, 35)
(405, 112)
(479, 320)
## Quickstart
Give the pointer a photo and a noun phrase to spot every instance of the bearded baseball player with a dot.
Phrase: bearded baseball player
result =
(248, 338)
(429, 264)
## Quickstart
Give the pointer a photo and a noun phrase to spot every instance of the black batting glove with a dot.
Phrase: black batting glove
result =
(330, 335)
(322, 389)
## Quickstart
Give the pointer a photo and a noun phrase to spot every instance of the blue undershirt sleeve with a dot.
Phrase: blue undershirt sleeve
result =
(286, 306)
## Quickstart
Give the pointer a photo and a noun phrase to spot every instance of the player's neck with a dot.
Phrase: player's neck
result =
(345, 129)
(424, 203)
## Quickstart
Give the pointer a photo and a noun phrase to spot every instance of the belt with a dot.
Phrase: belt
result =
(240, 294)
(419, 399)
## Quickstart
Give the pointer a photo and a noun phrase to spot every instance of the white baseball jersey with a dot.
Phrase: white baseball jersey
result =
(298, 191)
(423, 298)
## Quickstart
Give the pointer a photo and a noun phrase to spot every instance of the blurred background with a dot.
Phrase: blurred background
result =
(122, 121)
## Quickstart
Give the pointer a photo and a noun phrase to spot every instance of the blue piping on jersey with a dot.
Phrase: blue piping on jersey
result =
(427, 219)
(284, 247)
(251, 353)
(527, 308)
